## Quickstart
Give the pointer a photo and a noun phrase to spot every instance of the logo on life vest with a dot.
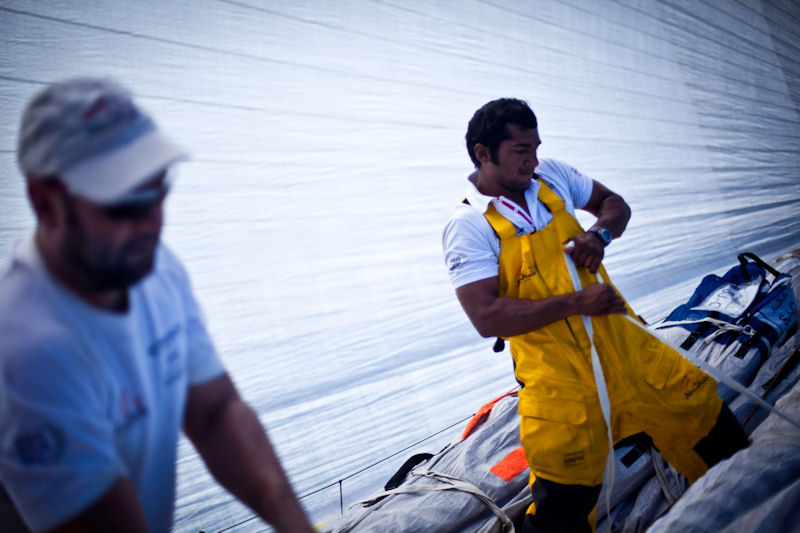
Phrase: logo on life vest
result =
(692, 384)
(526, 276)
(574, 459)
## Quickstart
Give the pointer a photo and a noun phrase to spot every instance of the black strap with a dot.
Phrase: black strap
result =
(757, 260)
(759, 334)
(699, 331)
(397, 479)
(641, 443)
(499, 345)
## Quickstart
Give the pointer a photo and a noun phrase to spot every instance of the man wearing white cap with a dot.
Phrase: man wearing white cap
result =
(104, 355)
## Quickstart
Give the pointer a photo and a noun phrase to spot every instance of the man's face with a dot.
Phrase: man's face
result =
(111, 247)
(516, 158)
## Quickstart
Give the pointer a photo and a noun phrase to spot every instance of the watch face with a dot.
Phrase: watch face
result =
(604, 234)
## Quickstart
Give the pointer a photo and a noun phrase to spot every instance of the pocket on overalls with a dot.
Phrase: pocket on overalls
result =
(570, 412)
(559, 441)
(662, 363)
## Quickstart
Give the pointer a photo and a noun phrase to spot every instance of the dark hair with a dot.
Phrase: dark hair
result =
(488, 125)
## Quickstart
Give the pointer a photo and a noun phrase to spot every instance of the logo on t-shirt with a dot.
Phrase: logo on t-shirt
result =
(165, 342)
(455, 263)
(166, 352)
(131, 408)
(42, 446)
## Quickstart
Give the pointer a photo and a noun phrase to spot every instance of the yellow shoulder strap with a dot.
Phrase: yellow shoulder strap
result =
(499, 223)
(549, 198)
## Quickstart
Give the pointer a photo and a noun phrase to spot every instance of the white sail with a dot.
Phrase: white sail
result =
(328, 152)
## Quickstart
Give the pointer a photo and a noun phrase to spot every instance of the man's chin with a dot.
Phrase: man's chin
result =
(138, 262)
(124, 276)
(137, 272)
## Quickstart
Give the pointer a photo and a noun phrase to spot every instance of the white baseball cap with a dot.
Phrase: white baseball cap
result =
(90, 135)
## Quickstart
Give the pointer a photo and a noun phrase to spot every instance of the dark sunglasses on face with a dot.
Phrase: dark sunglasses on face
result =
(133, 210)
(139, 204)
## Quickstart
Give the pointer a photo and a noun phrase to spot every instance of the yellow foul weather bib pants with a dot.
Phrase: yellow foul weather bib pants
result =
(651, 387)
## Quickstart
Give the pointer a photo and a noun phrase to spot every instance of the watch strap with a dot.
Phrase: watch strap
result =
(605, 235)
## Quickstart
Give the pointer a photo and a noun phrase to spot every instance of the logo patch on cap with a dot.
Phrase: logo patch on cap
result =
(107, 113)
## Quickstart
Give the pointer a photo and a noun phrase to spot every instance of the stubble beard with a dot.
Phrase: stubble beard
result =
(100, 269)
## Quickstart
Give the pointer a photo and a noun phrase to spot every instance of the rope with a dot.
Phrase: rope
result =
(658, 466)
(450, 483)
(722, 327)
(602, 391)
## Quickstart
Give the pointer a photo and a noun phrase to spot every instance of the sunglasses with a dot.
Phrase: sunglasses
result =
(139, 204)
(133, 210)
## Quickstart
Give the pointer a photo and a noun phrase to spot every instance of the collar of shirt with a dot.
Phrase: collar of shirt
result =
(510, 210)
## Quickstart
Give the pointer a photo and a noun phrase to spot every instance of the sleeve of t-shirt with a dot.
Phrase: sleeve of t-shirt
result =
(56, 438)
(470, 247)
(574, 187)
(204, 362)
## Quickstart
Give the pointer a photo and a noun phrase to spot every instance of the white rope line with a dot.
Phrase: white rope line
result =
(602, 391)
(466, 486)
(721, 325)
(658, 466)
(715, 321)
(449, 483)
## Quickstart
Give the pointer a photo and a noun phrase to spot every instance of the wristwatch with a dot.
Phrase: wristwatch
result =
(603, 233)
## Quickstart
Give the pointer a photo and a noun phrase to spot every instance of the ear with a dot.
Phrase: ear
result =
(45, 197)
(482, 153)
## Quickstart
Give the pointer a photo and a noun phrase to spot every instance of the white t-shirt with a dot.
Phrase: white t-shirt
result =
(87, 396)
(471, 247)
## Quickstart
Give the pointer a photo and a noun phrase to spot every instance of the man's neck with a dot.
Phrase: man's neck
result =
(488, 187)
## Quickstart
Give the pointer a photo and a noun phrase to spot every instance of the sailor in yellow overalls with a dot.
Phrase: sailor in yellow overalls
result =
(532, 302)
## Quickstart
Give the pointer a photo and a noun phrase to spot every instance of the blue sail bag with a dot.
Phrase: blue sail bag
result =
(734, 321)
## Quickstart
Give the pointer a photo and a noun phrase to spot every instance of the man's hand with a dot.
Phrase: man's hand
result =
(587, 250)
(599, 299)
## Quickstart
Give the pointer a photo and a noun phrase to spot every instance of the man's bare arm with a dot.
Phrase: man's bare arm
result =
(612, 213)
(493, 316)
(237, 451)
(611, 210)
